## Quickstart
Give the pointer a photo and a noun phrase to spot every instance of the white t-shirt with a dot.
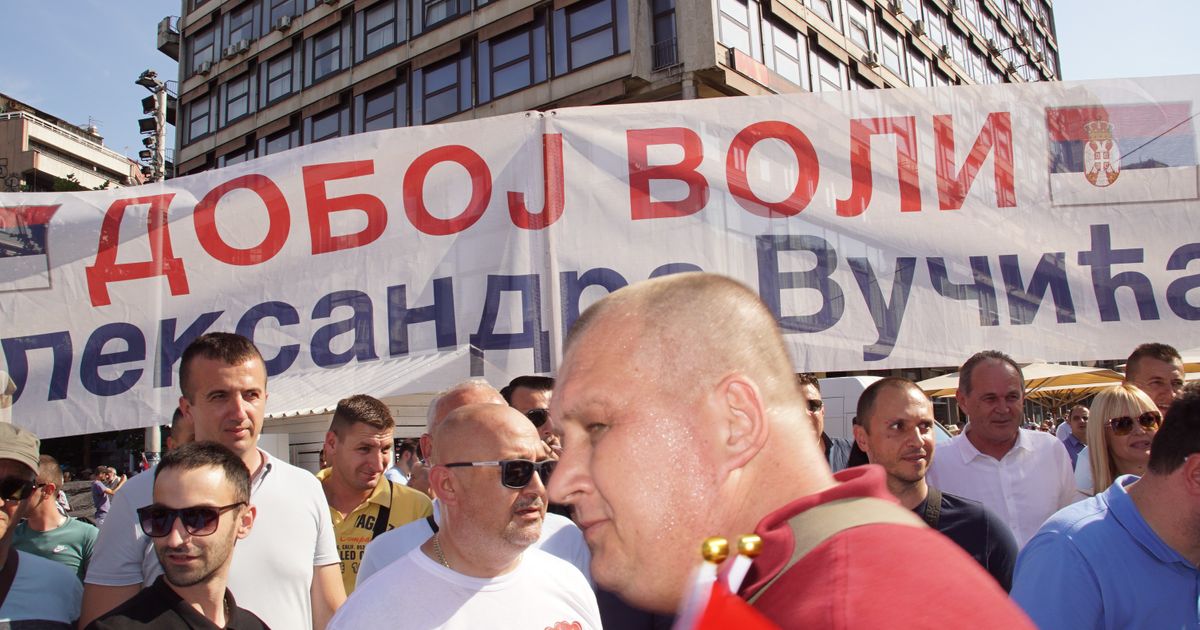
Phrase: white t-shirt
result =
(416, 592)
(42, 590)
(1084, 481)
(1024, 488)
(272, 568)
(560, 537)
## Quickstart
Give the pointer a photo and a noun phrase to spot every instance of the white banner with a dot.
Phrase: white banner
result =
(886, 228)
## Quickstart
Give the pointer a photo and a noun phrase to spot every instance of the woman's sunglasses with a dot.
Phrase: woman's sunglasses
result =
(1124, 425)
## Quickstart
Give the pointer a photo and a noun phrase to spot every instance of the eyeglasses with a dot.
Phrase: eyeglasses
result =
(13, 489)
(516, 473)
(157, 521)
(538, 416)
(1124, 425)
(815, 405)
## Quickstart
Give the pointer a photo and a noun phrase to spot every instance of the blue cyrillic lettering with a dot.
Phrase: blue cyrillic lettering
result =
(15, 349)
(281, 312)
(1050, 273)
(360, 323)
(573, 285)
(887, 315)
(771, 282)
(982, 290)
(1177, 291)
(1101, 258)
(94, 358)
(170, 347)
(441, 313)
(531, 334)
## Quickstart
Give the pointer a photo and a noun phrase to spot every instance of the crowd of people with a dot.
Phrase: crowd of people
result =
(582, 501)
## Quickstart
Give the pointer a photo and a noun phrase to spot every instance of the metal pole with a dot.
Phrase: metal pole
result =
(160, 132)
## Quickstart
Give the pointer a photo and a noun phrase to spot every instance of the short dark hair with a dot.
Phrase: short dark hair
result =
(808, 378)
(529, 381)
(406, 446)
(230, 348)
(866, 400)
(201, 454)
(49, 471)
(1159, 351)
(964, 373)
(176, 417)
(1179, 435)
(361, 408)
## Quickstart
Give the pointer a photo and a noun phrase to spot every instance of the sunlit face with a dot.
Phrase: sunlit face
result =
(1161, 380)
(12, 512)
(360, 456)
(525, 399)
(811, 394)
(227, 402)
(1130, 452)
(188, 560)
(995, 403)
(901, 436)
(634, 468)
(1078, 422)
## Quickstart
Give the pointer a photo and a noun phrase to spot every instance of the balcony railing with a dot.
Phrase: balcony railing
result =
(74, 137)
(664, 54)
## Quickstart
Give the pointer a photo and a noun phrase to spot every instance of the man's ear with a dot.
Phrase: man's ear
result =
(1191, 474)
(742, 414)
(246, 523)
(330, 441)
(860, 438)
(441, 483)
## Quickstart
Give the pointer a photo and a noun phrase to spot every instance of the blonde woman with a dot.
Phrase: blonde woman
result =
(1122, 424)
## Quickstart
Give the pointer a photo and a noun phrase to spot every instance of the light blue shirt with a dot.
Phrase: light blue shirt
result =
(1097, 564)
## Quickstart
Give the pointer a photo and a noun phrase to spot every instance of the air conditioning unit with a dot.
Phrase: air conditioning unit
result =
(871, 59)
(952, 5)
(944, 51)
(992, 46)
(242, 46)
(283, 23)
(229, 51)
(235, 49)
(331, 2)
(895, 7)
(205, 67)
(918, 27)
(1023, 36)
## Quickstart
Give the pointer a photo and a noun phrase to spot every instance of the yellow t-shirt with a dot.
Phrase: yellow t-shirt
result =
(354, 530)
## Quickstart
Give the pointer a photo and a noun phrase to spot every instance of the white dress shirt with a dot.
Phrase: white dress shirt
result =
(1024, 488)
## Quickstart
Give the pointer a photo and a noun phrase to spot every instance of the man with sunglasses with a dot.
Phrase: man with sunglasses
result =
(530, 394)
(201, 509)
(1129, 556)
(287, 570)
(837, 450)
(477, 569)
(34, 592)
(50, 533)
(560, 537)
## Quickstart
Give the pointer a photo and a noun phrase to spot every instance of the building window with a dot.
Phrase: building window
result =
(239, 25)
(830, 74)
(237, 98)
(279, 8)
(325, 54)
(827, 10)
(236, 157)
(380, 27)
(442, 89)
(912, 8)
(890, 46)
(786, 53)
(203, 49)
(918, 67)
(735, 25)
(958, 48)
(278, 142)
(970, 11)
(935, 25)
(385, 107)
(665, 53)
(428, 14)
(332, 123)
(199, 118)
(277, 77)
(513, 61)
(858, 24)
(587, 32)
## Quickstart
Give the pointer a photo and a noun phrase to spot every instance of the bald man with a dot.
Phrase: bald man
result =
(477, 570)
(560, 537)
(707, 434)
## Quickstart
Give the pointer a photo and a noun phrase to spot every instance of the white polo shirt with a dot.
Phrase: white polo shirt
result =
(1024, 488)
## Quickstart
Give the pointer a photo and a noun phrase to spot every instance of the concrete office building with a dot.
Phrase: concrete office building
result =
(261, 76)
(39, 151)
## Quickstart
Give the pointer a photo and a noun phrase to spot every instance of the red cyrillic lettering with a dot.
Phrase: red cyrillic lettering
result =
(953, 187)
(861, 130)
(807, 172)
(278, 217)
(414, 190)
(321, 206)
(162, 262)
(641, 173)
(552, 171)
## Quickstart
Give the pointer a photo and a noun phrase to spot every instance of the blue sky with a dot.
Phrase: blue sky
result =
(77, 59)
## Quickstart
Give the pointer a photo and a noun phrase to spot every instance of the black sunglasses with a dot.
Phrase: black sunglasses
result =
(16, 488)
(538, 416)
(516, 473)
(157, 521)
(1124, 425)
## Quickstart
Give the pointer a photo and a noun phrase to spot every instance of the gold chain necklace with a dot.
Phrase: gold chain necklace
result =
(437, 548)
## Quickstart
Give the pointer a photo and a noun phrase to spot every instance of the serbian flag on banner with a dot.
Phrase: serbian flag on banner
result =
(715, 608)
(24, 262)
(1122, 153)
